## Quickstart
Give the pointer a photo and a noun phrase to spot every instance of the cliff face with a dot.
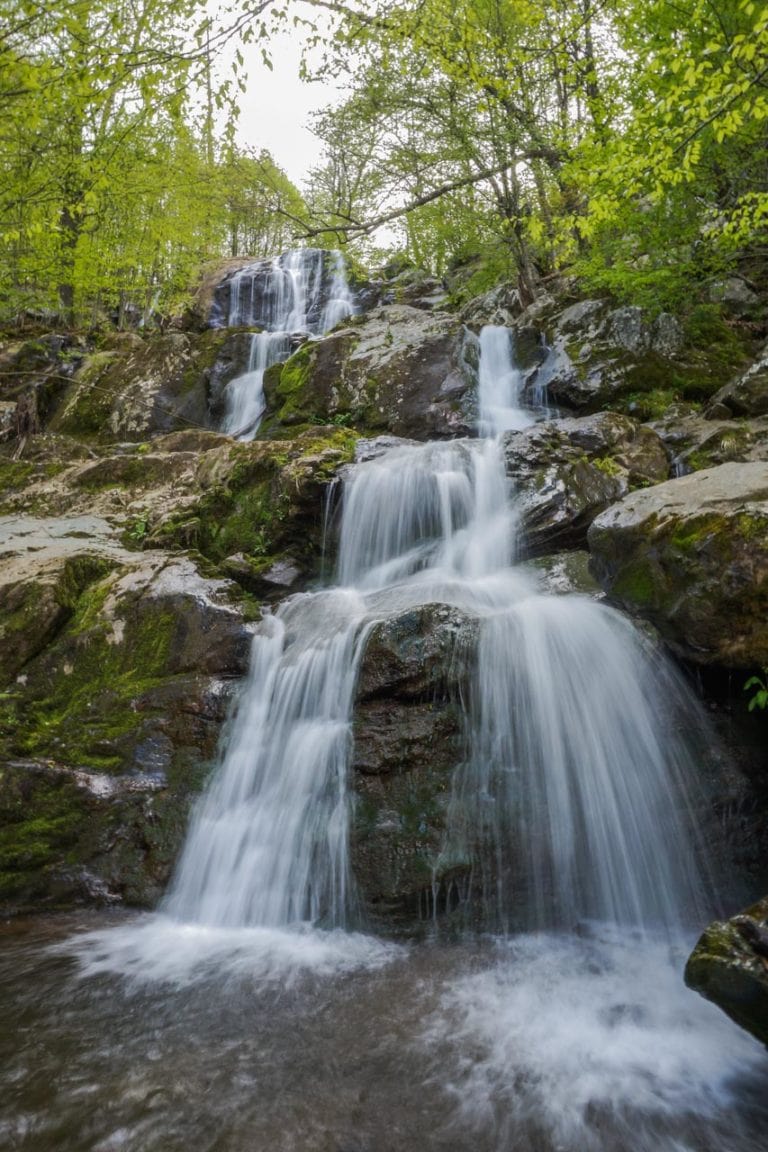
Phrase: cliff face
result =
(140, 546)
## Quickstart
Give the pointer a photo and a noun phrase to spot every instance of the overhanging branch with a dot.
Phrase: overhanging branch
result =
(365, 227)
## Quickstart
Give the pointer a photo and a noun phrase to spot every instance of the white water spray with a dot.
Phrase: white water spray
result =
(570, 808)
(301, 293)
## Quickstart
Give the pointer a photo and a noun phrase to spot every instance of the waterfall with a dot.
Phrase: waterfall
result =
(500, 384)
(570, 803)
(244, 395)
(304, 292)
(572, 784)
(268, 845)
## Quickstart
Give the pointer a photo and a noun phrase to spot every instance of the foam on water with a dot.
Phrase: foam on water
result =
(591, 1043)
(160, 948)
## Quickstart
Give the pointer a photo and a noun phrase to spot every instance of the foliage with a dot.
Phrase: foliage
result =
(624, 139)
(760, 697)
(112, 187)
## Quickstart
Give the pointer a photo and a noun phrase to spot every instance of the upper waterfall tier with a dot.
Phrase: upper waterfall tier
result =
(305, 290)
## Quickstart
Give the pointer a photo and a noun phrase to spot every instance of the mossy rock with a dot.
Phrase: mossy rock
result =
(155, 385)
(396, 370)
(729, 966)
(109, 723)
(691, 556)
(408, 740)
(261, 500)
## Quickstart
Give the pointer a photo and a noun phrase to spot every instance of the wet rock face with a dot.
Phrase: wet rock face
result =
(729, 966)
(565, 472)
(398, 370)
(251, 292)
(598, 354)
(691, 556)
(408, 740)
(111, 711)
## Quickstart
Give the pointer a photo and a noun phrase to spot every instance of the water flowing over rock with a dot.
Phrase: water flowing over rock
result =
(304, 292)
(691, 556)
(430, 621)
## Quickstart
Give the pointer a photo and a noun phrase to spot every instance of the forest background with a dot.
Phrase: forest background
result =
(621, 141)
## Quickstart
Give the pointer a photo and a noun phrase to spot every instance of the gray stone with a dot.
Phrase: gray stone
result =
(729, 966)
(397, 370)
(747, 395)
(691, 556)
(567, 471)
(408, 740)
(734, 294)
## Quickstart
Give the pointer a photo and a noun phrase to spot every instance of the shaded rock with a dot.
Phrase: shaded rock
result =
(567, 471)
(398, 370)
(691, 556)
(597, 354)
(747, 395)
(33, 374)
(695, 442)
(729, 966)
(736, 296)
(408, 739)
(115, 667)
(158, 384)
(416, 288)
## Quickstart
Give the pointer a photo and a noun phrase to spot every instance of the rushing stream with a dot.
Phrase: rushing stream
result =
(253, 1013)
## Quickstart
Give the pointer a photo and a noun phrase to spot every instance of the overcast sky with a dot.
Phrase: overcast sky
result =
(276, 106)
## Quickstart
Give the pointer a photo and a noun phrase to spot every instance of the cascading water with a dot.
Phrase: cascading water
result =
(245, 393)
(304, 292)
(501, 384)
(596, 794)
(570, 806)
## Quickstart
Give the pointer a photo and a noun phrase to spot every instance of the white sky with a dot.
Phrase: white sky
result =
(276, 106)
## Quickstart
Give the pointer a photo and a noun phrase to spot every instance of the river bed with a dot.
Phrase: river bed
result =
(128, 1033)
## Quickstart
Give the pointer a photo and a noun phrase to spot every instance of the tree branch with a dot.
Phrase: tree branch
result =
(365, 227)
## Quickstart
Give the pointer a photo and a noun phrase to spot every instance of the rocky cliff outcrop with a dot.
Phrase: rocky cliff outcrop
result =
(115, 675)
(399, 369)
(564, 472)
(691, 556)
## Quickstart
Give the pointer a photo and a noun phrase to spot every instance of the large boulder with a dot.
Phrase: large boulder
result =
(399, 369)
(691, 556)
(729, 966)
(115, 681)
(567, 471)
(408, 740)
(134, 388)
(598, 355)
(747, 395)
